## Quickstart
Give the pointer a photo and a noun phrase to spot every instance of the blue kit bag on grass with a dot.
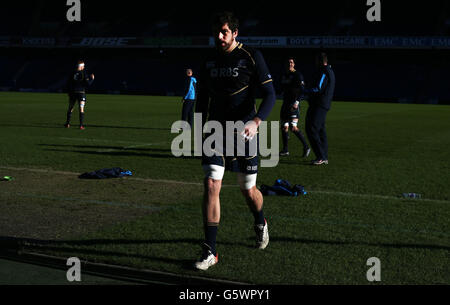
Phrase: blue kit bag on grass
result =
(115, 172)
(282, 188)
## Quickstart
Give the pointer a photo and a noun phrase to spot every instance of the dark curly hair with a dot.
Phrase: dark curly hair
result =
(222, 18)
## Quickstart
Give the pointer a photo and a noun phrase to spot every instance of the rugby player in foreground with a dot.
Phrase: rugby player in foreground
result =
(227, 85)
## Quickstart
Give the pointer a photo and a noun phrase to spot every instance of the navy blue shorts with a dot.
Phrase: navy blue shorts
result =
(240, 163)
(77, 97)
(245, 165)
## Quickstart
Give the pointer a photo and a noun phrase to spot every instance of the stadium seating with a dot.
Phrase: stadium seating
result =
(387, 75)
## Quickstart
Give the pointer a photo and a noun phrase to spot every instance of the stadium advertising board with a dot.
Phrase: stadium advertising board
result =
(38, 41)
(105, 42)
(350, 42)
(369, 42)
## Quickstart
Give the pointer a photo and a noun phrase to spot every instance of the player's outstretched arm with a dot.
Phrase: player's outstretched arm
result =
(90, 79)
(321, 86)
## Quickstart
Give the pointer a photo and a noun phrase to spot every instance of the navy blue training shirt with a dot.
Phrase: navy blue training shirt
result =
(228, 83)
(293, 86)
(78, 81)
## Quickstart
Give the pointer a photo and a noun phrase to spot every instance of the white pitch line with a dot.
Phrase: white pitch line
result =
(369, 196)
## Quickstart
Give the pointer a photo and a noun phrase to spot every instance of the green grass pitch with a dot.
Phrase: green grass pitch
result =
(353, 210)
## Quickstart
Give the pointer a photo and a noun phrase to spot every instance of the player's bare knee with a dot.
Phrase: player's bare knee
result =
(213, 186)
(250, 193)
(294, 128)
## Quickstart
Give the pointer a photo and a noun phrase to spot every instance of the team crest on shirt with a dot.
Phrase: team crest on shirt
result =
(242, 64)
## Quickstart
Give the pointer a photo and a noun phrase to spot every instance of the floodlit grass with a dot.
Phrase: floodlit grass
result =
(353, 209)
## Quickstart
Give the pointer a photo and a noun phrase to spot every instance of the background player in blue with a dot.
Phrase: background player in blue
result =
(320, 98)
(190, 95)
(227, 85)
(76, 88)
(293, 89)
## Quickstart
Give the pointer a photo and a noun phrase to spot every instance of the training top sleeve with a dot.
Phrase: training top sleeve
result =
(301, 84)
(296, 85)
(321, 85)
(194, 87)
(266, 85)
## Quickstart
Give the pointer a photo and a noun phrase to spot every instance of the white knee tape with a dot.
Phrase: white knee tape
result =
(246, 181)
(214, 172)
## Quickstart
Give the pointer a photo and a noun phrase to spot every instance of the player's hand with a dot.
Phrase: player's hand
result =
(251, 129)
(92, 76)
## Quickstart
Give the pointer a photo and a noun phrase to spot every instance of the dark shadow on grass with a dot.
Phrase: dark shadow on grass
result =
(54, 125)
(106, 147)
(357, 243)
(121, 153)
(127, 127)
(295, 161)
(116, 151)
(83, 247)
(33, 125)
(70, 247)
(82, 146)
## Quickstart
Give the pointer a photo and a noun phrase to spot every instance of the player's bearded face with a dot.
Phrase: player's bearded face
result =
(225, 37)
(291, 64)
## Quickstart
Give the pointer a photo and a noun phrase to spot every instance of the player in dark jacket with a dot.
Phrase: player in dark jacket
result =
(293, 89)
(320, 98)
(76, 89)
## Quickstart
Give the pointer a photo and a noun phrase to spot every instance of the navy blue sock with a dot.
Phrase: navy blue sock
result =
(285, 138)
(300, 136)
(210, 237)
(259, 217)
